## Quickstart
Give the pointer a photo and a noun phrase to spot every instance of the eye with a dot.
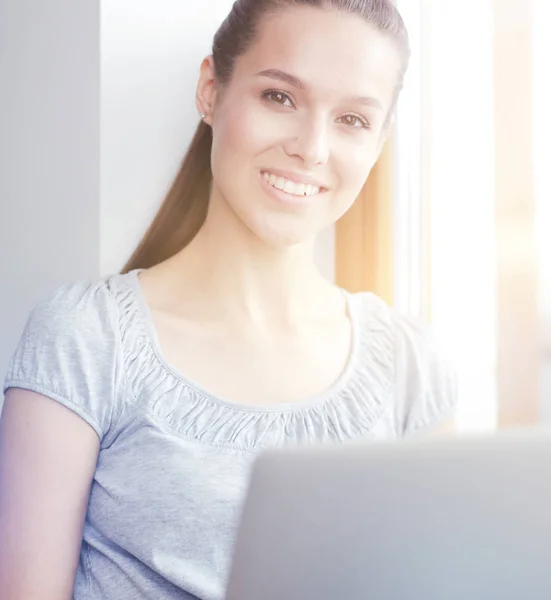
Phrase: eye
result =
(278, 97)
(356, 121)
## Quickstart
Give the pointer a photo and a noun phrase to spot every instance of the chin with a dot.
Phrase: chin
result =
(284, 237)
(275, 225)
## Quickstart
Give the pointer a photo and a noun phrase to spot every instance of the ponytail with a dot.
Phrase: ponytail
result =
(184, 209)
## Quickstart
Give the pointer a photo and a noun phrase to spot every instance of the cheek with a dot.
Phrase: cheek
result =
(354, 168)
(232, 141)
(247, 131)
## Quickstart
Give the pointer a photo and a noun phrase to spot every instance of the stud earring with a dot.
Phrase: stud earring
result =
(202, 115)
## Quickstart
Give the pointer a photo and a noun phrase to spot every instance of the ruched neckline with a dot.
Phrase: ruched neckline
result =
(349, 409)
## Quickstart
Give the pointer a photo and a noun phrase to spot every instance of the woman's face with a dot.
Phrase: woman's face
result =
(307, 103)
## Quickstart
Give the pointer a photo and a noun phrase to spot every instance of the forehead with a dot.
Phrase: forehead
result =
(330, 50)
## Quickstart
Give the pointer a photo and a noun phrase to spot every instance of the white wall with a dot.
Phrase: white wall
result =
(97, 109)
(49, 153)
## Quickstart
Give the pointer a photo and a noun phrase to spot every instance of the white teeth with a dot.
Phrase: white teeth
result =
(290, 187)
(300, 189)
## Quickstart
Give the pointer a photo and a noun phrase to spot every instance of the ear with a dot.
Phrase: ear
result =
(205, 97)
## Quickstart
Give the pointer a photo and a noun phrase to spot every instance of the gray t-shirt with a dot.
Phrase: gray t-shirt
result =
(174, 459)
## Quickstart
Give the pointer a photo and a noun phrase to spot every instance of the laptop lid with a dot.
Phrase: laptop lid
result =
(452, 518)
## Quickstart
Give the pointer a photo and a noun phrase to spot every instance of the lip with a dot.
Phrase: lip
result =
(296, 178)
(284, 197)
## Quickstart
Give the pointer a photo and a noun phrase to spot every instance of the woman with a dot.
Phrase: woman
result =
(135, 404)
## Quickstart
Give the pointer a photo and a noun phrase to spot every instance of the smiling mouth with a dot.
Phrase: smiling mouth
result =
(300, 190)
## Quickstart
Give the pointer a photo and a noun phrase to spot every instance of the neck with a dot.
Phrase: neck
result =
(235, 275)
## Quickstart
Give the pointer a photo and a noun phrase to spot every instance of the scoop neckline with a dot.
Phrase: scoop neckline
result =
(315, 401)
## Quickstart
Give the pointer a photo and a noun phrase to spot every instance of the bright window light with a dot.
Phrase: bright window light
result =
(459, 192)
(541, 136)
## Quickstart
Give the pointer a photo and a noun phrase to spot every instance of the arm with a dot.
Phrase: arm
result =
(47, 462)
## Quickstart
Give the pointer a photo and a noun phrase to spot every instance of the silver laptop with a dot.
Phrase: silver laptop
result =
(467, 518)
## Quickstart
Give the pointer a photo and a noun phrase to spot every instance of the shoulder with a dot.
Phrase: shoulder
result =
(69, 350)
(418, 342)
(414, 339)
(76, 325)
(84, 304)
(425, 379)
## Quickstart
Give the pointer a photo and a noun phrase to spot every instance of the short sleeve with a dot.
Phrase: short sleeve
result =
(426, 379)
(69, 351)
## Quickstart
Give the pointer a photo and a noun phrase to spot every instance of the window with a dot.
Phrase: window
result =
(444, 217)
(542, 134)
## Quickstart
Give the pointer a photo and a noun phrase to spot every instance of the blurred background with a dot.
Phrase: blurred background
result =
(97, 108)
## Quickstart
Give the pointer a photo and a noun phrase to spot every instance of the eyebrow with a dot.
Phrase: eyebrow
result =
(296, 82)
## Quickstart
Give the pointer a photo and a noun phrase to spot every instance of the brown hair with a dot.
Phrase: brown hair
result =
(184, 209)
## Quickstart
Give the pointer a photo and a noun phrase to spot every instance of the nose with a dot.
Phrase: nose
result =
(310, 144)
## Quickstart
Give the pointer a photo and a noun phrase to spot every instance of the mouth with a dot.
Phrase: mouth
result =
(296, 196)
(289, 191)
